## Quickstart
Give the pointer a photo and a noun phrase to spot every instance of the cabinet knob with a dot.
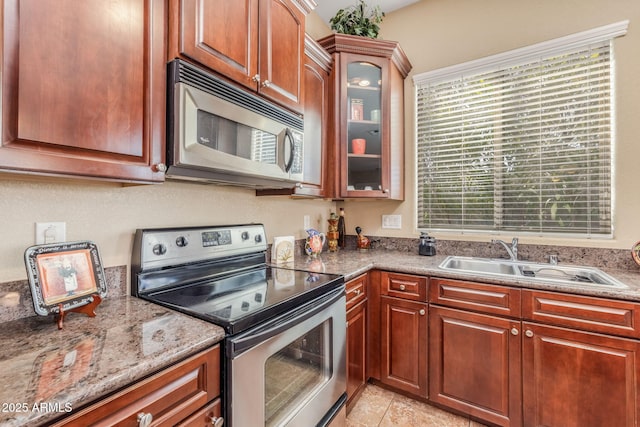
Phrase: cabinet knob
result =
(266, 83)
(217, 421)
(144, 420)
(402, 287)
(529, 333)
(422, 312)
(159, 167)
(256, 78)
(358, 292)
(514, 331)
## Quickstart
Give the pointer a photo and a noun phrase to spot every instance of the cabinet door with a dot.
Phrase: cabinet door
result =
(219, 34)
(356, 351)
(365, 139)
(577, 379)
(474, 364)
(84, 88)
(404, 345)
(168, 397)
(316, 120)
(282, 52)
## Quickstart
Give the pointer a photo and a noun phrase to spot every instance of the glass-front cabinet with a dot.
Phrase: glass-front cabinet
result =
(363, 137)
(367, 154)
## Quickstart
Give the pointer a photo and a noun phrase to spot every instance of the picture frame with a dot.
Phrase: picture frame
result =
(64, 276)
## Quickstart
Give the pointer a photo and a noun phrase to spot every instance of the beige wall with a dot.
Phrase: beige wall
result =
(439, 33)
(109, 214)
(434, 33)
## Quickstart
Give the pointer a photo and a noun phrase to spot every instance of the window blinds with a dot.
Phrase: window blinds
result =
(523, 145)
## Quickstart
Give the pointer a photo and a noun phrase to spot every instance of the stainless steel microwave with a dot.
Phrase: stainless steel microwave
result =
(219, 133)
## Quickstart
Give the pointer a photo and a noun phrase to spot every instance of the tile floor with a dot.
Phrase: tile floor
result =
(380, 407)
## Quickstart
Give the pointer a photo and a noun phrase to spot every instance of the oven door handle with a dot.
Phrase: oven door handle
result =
(243, 342)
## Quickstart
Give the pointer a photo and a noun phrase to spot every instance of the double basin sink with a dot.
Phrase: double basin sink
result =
(568, 275)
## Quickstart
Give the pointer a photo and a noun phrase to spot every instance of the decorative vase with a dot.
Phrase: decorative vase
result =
(358, 145)
(314, 242)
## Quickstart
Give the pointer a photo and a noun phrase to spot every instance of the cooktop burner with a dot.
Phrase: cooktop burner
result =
(240, 301)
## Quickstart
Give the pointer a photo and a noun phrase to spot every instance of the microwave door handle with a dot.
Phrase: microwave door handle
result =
(241, 344)
(288, 135)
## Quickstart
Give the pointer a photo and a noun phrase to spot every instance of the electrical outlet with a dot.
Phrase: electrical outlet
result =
(50, 232)
(392, 221)
(307, 222)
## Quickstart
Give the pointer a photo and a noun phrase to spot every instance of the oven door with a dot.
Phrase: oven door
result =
(292, 370)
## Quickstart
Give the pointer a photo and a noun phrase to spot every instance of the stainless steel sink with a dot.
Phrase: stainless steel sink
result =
(562, 274)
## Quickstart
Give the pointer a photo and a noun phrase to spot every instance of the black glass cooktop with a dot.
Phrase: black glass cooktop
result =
(240, 301)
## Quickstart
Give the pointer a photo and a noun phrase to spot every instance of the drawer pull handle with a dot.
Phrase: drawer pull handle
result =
(402, 287)
(529, 334)
(422, 312)
(144, 420)
(358, 291)
(514, 331)
(217, 421)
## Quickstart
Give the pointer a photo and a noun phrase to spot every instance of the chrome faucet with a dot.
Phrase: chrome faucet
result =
(512, 250)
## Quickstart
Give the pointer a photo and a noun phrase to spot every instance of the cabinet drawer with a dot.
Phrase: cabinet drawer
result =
(491, 299)
(582, 312)
(404, 286)
(356, 290)
(205, 416)
(169, 396)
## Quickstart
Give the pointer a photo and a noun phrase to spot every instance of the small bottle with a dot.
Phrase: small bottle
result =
(342, 230)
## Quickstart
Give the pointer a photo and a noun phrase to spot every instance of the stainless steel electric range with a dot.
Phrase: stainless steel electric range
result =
(285, 348)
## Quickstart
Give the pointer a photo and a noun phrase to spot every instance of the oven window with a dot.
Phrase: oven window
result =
(293, 374)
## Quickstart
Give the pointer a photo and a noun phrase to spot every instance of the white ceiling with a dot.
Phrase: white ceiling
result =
(327, 8)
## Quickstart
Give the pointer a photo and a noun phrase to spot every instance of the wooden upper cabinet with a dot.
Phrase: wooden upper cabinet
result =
(256, 43)
(368, 76)
(83, 88)
(201, 30)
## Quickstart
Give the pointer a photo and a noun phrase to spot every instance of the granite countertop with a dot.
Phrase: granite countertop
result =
(351, 263)
(46, 372)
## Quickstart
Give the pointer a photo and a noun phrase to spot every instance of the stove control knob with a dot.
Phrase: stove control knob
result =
(159, 249)
(245, 235)
(182, 241)
(258, 238)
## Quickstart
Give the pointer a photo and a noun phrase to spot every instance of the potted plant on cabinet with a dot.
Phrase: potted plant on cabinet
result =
(358, 20)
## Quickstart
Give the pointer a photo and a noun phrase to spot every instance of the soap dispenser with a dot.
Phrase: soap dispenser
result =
(427, 245)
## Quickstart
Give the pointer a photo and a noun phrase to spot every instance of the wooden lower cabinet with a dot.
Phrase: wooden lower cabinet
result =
(403, 336)
(474, 364)
(210, 415)
(577, 379)
(183, 393)
(356, 352)
(357, 327)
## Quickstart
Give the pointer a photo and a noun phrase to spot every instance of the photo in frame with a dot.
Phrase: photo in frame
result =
(64, 275)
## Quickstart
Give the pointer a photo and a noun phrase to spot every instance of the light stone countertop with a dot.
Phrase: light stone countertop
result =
(45, 372)
(131, 338)
(352, 263)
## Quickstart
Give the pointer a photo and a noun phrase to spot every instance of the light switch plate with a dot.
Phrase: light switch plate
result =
(392, 221)
(50, 232)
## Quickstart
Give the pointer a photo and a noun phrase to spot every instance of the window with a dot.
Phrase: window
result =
(520, 141)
